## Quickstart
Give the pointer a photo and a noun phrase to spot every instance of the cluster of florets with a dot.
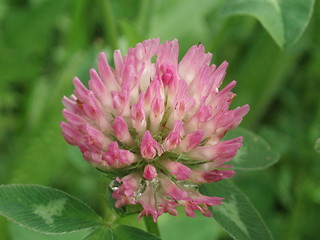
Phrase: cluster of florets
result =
(159, 123)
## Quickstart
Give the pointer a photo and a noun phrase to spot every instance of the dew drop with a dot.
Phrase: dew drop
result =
(141, 189)
(166, 197)
(190, 185)
(114, 185)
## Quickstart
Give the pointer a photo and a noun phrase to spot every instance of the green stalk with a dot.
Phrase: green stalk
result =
(145, 17)
(151, 226)
(78, 34)
(110, 28)
(110, 215)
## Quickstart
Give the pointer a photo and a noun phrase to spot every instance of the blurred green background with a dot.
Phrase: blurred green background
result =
(273, 48)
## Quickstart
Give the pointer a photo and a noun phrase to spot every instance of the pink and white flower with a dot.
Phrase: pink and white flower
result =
(161, 122)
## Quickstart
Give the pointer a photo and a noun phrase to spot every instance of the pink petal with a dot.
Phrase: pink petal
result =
(171, 189)
(192, 62)
(149, 172)
(138, 116)
(149, 147)
(222, 151)
(181, 171)
(118, 158)
(191, 141)
(121, 131)
(174, 137)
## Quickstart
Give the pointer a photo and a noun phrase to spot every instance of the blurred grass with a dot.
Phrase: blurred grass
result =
(44, 43)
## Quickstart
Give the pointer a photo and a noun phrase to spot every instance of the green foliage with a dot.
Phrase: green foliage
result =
(48, 210)
(183, 227)
(296, 16)
(171, 17)
(21, 233)
(45, 209)
(255, 154)
(285, 20)
(268, 12)
(44, 44)
(317, 145)
(236, 215)
(120, 232)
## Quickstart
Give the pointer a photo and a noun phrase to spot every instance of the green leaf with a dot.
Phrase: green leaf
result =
(317, 145)
(131, 32)
(296, 15)
(255, 154)
(171, 19)
(285, 20)
(110, 201)
(183, 227)
(33, 147)
(78, 34)
(236, 215)
(266, 11)
(38, 26)
(45, 209)
(21, 233)
(120, 232)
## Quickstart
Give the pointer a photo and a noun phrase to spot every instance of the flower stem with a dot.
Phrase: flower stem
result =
(109, 24)
(145, 16)
(152, 226)
(77, 38)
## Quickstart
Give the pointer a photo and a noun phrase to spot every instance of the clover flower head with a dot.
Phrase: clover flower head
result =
(157, 123)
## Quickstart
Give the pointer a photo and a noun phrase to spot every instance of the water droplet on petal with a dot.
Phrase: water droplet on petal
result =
(114, 185)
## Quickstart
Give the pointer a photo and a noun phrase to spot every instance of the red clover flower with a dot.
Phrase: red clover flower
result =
(157, 124)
